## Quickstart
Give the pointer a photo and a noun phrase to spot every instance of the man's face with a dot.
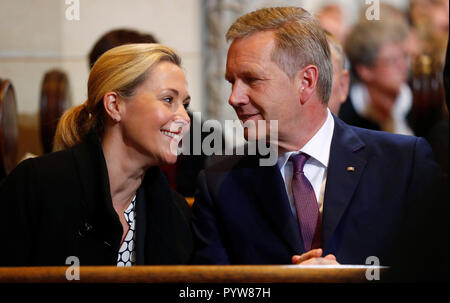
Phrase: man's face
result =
(260, 89)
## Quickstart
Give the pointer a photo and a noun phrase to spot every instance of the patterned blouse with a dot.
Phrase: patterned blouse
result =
(127, 254)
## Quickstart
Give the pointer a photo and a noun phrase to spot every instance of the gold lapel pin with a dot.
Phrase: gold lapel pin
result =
(350, 168)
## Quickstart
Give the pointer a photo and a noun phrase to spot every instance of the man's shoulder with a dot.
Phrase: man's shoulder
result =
(376, 136)
(379, 139)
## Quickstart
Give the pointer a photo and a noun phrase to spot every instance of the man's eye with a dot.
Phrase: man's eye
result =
(251, 80)
(230, 81)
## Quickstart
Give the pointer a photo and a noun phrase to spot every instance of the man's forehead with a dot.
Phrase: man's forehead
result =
(247, 69)
(247, 65)
(253, 48)
(256, 41)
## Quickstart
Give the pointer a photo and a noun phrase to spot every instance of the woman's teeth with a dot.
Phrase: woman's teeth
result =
(170, 134)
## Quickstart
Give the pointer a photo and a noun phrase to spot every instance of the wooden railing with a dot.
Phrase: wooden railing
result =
(192, 274)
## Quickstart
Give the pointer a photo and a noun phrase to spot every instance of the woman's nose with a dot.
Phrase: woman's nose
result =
(183, 115)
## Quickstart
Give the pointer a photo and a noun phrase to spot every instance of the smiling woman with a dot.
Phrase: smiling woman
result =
(102, 198)
(154, 119)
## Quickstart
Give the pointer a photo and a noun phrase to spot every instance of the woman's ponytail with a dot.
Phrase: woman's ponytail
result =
(72, 127)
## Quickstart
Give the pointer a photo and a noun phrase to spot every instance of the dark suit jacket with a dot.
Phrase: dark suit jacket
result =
(242, 214)
(59, 205)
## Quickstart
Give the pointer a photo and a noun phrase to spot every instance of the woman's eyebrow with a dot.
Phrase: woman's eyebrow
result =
(177, 93)
(172, 90)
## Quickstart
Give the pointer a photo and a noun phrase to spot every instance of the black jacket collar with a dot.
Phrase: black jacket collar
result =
(100, 217)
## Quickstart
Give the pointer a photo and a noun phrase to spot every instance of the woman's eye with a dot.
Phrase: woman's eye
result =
(168, 99)
(186, 105)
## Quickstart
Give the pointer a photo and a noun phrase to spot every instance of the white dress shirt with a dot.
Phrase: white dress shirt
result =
(315, 169)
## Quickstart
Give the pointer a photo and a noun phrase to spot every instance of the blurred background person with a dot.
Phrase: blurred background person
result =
(380, 97)
(103, 198)
(341, 77)
(430, 21)
(117, 37)
(429, 115)
(332, 19)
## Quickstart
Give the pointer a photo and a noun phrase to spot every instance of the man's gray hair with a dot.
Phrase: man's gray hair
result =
(299, 41)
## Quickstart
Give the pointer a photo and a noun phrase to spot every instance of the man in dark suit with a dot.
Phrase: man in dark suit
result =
(347, 200)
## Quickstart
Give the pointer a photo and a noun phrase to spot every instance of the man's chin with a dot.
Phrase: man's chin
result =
(252, 135)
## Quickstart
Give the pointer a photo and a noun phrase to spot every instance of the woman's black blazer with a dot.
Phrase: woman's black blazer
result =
(59, 205)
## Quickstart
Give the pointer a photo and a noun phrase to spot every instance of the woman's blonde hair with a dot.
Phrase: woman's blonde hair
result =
(121, 69)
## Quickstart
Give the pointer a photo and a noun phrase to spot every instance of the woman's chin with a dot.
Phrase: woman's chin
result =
(166, 155)
(169, 159)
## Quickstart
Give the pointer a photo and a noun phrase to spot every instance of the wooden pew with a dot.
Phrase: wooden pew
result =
(192, 274)
(54, 102)
(8, 128)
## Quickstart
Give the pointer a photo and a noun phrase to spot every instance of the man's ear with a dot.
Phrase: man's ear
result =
(111, 105)
(344, 83)
(307, 79)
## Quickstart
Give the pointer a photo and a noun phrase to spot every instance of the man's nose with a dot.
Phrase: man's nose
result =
(238, 95)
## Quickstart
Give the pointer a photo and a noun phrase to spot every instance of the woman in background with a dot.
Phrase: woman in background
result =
(379, 97)
(103, 199)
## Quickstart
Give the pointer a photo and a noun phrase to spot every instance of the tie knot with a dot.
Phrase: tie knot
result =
(299, 161)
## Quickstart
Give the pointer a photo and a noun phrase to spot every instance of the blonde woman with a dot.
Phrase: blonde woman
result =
(102, 198)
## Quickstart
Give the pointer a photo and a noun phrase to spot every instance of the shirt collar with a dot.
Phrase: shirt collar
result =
(318, 147)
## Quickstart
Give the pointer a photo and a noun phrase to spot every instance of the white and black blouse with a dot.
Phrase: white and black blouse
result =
(127, 254)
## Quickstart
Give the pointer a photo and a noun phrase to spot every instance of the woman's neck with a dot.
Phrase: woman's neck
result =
(125, 171)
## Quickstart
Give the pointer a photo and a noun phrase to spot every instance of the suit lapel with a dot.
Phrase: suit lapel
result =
(344, 171)
(271, 196)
